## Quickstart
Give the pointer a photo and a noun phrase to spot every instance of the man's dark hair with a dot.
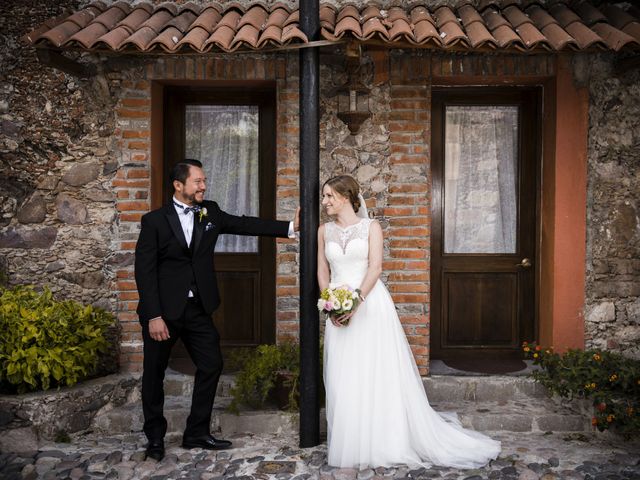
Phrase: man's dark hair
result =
(180, 170)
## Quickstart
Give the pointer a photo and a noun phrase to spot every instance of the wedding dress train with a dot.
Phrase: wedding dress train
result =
(377, 410)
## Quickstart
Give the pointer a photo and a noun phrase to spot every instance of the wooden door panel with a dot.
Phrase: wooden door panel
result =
(238, 317)
(246, 273)
(485, 180)
(473, 317)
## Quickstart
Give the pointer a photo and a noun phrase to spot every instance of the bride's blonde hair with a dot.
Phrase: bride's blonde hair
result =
(348, 187)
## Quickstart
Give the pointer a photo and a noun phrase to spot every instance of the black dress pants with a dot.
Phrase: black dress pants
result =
(202, 341)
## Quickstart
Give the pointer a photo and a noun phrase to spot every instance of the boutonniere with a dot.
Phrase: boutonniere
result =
(202, 214)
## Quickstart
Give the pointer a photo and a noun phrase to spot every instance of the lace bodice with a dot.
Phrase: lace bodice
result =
(347, 251)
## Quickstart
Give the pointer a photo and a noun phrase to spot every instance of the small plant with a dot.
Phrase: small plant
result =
(261, 371)
(610, 380)
(47, 342)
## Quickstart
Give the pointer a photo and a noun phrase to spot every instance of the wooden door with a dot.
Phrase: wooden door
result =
(483, 254)
(232, 132)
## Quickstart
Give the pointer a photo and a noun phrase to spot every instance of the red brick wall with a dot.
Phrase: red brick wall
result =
(133, 182)
(404, 211)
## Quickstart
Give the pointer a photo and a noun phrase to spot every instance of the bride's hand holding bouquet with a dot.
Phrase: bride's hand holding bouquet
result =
(339, 303)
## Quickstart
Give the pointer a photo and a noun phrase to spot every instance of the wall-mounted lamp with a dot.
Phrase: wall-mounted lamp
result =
(353, 96)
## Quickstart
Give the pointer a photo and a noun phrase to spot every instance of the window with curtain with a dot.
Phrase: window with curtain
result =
(225, 139)
(480, 189)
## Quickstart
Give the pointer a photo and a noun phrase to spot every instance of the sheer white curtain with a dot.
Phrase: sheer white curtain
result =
(225, 139)
(481, 152)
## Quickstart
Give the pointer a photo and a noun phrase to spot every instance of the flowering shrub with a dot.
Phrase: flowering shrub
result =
(609, 379)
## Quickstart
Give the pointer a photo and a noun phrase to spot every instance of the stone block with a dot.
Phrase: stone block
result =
(82, 173)
(562, 423)
(71, 210)
(633, 312)
(24, 237)
(602, 312)
(499, 422)
(276, 422)
(33, 210)
(19, 440)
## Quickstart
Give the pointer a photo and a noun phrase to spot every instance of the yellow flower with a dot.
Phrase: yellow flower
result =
(590, 386)
(593, 385)
(535, 355)
(613, 378)
(610, 418)
(597, 357)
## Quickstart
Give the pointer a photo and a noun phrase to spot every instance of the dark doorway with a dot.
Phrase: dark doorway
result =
(232, 132)
(484, 202)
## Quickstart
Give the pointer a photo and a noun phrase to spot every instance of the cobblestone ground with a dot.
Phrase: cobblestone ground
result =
(524, 457)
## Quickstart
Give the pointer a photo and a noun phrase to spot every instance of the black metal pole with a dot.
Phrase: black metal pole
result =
(309, 200)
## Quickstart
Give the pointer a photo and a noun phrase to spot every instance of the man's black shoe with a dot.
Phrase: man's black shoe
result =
(208, 442)
(155, 450)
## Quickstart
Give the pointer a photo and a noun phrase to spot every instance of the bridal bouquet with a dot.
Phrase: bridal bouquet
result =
(338, 301)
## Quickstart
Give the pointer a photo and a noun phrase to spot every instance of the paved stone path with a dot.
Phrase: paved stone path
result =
(525, 456)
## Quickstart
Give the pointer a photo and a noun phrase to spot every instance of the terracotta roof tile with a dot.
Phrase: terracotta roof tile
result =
(374, 26)
(420, 13)
(527, 25)
(60, 34)
(589, 13)
(348, 24)
(277, 17)
(615, 39)
(115, 38)
(207, 19)
(617, 17)
(183, 21)
(222, 37)
(633, 29)
(88, 36)
(136, 18)
(113, 15)
(168, 39)
(479, 35)
(271, 34)
(255, 16)
(506, 37)
(195, 39)
(425, 31)
(401, 30)
(82, 18)
(493, 19)
(158, 20)
(141, 38)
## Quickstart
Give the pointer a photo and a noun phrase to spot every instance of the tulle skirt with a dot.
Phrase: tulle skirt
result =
(377, 410)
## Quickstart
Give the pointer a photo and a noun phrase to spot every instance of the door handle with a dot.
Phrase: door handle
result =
(525, 263)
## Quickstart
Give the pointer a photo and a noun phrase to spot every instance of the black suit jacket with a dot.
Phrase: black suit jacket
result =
(165, 266)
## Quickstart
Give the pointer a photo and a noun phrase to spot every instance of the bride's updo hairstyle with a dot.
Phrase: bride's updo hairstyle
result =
(348, 187)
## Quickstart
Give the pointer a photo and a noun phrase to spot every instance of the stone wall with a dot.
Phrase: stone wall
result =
(56, 147)
(613, 233)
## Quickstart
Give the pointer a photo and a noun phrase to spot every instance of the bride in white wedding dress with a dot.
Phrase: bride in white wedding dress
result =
(377, 410)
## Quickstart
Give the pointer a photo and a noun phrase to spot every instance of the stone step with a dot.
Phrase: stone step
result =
(481, 389)
(128, 418)
(181, 385)
(438, 387)
(523, 415)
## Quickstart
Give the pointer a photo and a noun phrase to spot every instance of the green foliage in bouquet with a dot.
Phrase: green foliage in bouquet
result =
(610, 380)
(260, 372)
(46, 342)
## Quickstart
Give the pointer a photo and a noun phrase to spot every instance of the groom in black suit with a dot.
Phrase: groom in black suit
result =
(178, 292)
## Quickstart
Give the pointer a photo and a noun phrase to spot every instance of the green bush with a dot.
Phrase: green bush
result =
(260, 372)
(46, 342)
(610, 380)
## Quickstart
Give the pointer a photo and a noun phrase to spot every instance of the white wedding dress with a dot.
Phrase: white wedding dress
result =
(377, 410)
